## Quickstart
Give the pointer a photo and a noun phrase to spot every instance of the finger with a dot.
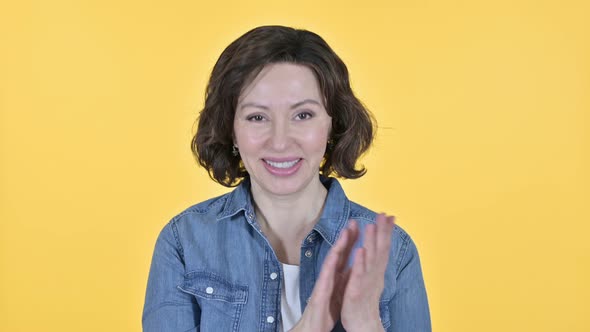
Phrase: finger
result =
(325, 285)
(361, 258)
(385, 227)
(329, 267)
(341, 243)
(340, 249)
(355, 284)
(353, 231)
(391, 222)
(346, 276)
(353, 227)
(370, 244)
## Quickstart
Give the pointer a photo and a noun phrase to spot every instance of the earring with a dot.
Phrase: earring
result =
(234, 150)
(330, 144)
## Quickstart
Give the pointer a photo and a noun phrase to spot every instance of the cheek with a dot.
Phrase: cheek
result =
(317, 140)
(249, 141)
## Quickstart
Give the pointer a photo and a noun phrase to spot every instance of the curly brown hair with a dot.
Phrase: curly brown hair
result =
(353, 125)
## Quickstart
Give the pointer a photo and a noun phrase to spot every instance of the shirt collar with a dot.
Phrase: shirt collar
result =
(237, 200)
(336, 211)
(334, 216)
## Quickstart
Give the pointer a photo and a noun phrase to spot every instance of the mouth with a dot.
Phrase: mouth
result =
(286, 164)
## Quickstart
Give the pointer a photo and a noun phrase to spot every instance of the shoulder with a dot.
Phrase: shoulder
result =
(403, 248)
(204, 212)
(364, 215)
(209, 207)
(358, 212)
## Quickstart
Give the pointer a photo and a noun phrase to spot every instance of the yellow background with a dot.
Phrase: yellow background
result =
(482, 151)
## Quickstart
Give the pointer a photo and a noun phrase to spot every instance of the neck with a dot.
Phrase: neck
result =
(289, 214)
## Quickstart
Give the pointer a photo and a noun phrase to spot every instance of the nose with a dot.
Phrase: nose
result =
(280, 136)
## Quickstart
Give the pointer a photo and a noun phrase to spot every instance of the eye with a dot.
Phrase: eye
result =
(255, 118)
(304, 116)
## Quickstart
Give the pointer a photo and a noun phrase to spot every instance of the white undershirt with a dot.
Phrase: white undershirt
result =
(290, 304)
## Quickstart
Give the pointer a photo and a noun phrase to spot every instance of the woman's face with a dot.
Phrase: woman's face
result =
(281, 128)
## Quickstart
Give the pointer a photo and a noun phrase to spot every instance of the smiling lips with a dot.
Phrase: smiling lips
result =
(282, 167)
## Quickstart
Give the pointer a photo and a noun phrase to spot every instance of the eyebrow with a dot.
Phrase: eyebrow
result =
(305, 101)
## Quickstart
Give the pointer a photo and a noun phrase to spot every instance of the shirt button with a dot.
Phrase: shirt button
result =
(307, 300)
(250, 215)
(209, 290)
(308, 254)
(270, 319)
(273, 276)
(311, 238)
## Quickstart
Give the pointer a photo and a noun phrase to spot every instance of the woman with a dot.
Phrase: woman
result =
(285, 250)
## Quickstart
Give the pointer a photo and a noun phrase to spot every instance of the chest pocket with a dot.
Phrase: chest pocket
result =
(221, 301)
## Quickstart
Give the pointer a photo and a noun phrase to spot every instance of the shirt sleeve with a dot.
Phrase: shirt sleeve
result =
(409, 305)
(166, 307)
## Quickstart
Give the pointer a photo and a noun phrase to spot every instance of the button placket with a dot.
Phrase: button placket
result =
(272, 289)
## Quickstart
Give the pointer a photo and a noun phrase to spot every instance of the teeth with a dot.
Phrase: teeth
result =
(284, 164)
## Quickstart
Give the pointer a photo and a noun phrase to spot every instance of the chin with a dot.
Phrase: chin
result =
(284, 189)
(285, 186)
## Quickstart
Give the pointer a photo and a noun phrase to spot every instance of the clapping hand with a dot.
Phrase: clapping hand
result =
(351, 294)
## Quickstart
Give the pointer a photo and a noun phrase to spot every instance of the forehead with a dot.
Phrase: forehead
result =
(282, 83)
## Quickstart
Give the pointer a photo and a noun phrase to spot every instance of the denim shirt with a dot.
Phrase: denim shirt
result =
(214, 270)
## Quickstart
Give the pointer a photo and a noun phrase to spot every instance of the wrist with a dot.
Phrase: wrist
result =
(368, 325)
(297, 327)
(371, 328)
